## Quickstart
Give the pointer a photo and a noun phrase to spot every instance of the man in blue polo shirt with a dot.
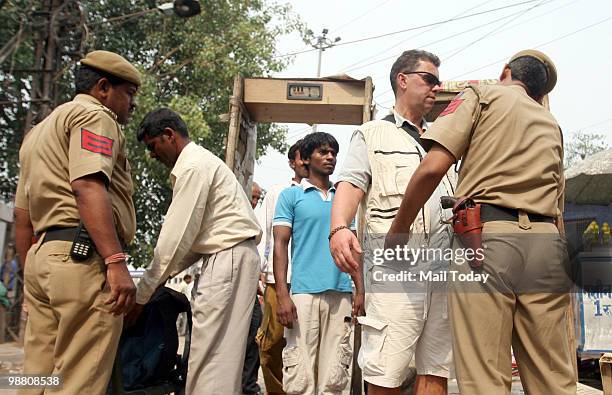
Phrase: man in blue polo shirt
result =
(317, 314)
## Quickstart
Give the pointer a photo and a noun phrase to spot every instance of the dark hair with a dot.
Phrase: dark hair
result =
(156, 121)
(408, 61)
(530, 72)
(293, 149)
(315, 140)
(87, 77)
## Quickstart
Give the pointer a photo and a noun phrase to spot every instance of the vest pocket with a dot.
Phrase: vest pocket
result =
(395, 174)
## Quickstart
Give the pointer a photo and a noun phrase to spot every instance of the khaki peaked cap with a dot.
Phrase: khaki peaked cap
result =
(551, 70)
(113, 64)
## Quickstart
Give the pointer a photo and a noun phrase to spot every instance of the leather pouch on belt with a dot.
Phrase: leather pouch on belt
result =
(466, 224)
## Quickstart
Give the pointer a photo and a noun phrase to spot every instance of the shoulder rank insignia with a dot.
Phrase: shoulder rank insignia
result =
(95, 143)
(453, 105)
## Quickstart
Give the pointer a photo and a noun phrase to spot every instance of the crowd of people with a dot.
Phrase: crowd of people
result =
(74, 215)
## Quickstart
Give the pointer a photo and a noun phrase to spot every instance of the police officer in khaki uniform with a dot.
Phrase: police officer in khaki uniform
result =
(512, 164)
(74, 169)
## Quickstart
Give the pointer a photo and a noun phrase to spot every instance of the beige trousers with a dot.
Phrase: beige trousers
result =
(70, 332)
(318, 354)
(488, 318)
(221, 317)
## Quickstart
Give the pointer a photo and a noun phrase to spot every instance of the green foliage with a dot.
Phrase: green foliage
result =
(582, 144)
(189, 65)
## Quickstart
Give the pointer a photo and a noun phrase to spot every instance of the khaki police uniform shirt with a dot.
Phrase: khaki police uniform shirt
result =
(210, 212)
(79, 138)
(514, 156)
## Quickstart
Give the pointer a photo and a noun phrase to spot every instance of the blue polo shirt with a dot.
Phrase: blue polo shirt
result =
(306, 210)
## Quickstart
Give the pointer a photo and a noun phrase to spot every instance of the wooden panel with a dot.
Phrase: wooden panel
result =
(297, 113)
(342, 102)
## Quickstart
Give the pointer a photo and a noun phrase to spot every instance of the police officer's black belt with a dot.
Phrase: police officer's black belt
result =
(492, 212)
(57, 233)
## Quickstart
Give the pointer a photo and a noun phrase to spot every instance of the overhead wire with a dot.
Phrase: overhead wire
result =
(497, 32)
(413, 28)
(349, 67)
(546, 13)
(440, 40)
(494, 30)
(505, 58)
(338, 29)
(537, 46)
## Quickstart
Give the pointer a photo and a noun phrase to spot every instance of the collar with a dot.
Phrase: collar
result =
(306, 185)
(85, 98)
(182, 158)
(399, 121)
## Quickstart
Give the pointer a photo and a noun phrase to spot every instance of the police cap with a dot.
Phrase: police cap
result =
(551, 70)
(113, 64)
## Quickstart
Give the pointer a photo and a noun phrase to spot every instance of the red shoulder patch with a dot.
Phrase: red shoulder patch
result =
(452, 107)
(95, 143)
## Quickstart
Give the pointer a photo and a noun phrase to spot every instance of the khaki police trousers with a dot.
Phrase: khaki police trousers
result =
(222, 311)
(271, 342)
(522, 305)
(70, 332)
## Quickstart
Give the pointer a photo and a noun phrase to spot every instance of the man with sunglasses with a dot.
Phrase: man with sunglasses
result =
(406, 320)
(511, 152)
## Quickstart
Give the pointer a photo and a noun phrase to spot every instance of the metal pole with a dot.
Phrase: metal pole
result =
(320, 56)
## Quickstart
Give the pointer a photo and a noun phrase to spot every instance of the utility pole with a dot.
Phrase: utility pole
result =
(47, 55)
(321, 43)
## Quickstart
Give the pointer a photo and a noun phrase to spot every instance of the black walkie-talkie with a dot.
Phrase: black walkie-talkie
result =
(82, 246)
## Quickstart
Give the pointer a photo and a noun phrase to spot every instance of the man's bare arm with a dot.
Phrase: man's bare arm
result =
(286, 311)
(95, 210)
(282, 235)
(24, 232)
(343, 243)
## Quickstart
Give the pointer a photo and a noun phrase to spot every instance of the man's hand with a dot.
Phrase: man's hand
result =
(132, 316)
(397, 235)
(358, 306)
(286, 311)
(123, 290)
(343, 247)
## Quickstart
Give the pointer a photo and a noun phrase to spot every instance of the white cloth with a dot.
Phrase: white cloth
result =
(266, 245)
(210, 212)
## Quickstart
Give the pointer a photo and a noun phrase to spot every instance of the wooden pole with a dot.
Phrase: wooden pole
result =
(234, 123)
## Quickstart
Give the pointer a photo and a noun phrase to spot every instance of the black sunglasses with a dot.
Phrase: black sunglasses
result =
(429, 78)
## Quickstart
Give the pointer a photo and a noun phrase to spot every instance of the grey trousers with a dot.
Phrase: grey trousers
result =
(221, 316)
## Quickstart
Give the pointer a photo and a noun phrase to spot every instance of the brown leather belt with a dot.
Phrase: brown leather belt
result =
(492, 212)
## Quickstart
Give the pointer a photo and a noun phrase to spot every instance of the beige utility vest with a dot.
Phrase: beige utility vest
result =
(394, 156)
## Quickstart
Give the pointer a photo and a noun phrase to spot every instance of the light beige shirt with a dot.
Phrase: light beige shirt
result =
(266, 246)
(79, 138)
(209, 213)
(512, 156)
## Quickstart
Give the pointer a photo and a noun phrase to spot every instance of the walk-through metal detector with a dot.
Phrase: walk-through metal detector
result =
(335, 100)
